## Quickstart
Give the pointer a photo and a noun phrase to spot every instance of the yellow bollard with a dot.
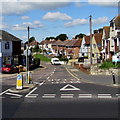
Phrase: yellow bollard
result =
(29, 77)
(19, 84)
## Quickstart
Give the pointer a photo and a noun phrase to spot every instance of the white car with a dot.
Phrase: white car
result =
(55, 61)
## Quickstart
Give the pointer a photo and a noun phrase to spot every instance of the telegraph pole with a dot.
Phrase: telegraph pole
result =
(27, 57)
(90, 20)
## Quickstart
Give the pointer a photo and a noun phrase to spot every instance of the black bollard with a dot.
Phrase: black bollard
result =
(113, 75)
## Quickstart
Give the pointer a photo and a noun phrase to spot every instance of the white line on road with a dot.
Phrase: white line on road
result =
(85, 95)
(4, 92)
(48, 96)
(67, 95)
(15, 97)
(14, 94)
(104, 96)
(32, 95)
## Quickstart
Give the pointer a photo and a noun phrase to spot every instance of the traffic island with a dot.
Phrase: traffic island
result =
(26, 88)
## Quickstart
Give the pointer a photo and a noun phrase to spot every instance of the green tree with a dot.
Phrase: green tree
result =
(81, 35)
(36, 48)
(62, 37)
(48, 38)
(30, 40)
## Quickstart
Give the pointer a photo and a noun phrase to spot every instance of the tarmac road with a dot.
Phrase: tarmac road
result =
(61, 95)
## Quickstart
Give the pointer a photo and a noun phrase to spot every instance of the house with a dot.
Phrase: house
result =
(114, 35)
(47, 45)
(73, 47)
(106, 43)
(10, 49)
(33, 44)
(96, 48)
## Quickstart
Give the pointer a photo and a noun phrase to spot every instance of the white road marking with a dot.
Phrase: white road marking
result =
(14, 94)
(67, 95)
(104, 96)
(32, 95)
(68, 85)
(15, 97)
(85, 95)
(4, 92)
(118, 95)
(48, 96)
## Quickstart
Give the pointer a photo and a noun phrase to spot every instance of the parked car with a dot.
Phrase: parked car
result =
(81, 59)
(9, 68)
(55, 61)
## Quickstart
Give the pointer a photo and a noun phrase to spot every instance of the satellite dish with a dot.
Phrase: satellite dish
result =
(25, 52)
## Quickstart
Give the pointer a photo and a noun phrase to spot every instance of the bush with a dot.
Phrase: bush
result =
(36, 61)
(107, 65)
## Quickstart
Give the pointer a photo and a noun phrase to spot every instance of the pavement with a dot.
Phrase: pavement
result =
(106, 80)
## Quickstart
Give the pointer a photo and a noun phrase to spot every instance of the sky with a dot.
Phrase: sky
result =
(49, 18)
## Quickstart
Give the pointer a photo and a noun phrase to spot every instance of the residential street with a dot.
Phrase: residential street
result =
(59, 94)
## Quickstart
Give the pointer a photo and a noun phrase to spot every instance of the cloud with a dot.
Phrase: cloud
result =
(100, 20)
(76, 22)
(25, 17)
(23, 7)
(23, 26)
(106, 3)
(4, 26)
(56, 16)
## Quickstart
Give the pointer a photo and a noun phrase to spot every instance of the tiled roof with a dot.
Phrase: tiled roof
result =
(116, 20)
(7, 36)
(74, 42)
(34, 43)
(107, 31)
(58, 42)
(87, 40)
(98, 39)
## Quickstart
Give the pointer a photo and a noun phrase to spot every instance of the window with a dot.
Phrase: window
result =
(94, 45)
(7, 46)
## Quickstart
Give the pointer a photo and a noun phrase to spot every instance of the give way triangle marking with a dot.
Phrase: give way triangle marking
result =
(69, 87)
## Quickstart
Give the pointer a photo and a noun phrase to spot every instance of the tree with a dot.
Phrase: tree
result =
(30, 40)
(81, 35)
(48, 38)
(62, 37)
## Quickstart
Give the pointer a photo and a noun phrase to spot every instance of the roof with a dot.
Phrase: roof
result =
(7, 36)
(116, 20)
(87, 39)
(107, 31)
(34, 43)
(58, 42)
(98, 39)
(74, 42)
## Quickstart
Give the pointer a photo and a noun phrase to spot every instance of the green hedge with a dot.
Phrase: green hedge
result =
(107, 65)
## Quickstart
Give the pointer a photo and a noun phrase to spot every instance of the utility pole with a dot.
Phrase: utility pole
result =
(27, 57)
(91, 62)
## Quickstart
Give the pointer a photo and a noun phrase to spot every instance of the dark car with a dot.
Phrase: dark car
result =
(9, 68)
(81, 59)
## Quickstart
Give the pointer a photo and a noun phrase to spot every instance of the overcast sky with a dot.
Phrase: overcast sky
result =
(53, 18)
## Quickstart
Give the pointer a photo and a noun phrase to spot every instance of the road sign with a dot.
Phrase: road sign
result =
(25, 52)
(19, 84)
(69, 87)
